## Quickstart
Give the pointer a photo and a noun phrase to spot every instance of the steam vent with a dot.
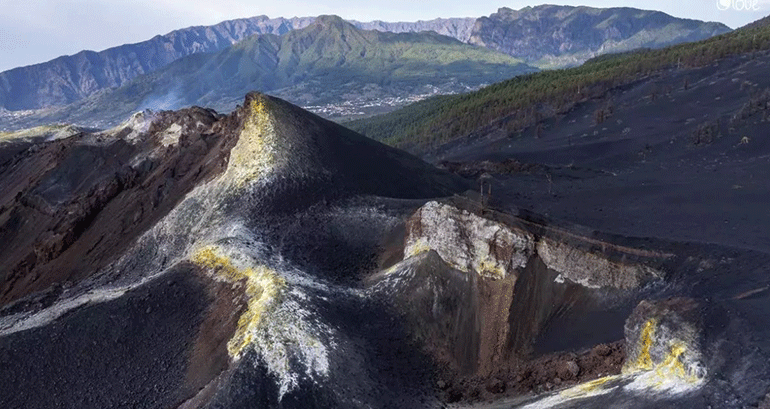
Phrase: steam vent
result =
(272, 258)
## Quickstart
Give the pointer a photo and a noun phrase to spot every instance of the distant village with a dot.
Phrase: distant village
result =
(365, 107)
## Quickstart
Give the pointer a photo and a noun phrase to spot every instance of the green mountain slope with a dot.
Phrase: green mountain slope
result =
(330, 61)
(523, 101)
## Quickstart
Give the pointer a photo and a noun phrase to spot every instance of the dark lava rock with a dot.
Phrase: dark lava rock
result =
(496, 386)
(454, 395)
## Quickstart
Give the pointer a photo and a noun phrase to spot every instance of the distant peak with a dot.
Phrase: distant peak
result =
(330, 19)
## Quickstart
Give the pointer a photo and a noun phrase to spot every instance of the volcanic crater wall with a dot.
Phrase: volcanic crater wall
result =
(478, 286)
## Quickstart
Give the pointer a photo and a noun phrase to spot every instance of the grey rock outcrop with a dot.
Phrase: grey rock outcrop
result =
(590, 269)
(458, 28)
(472, 243)
(468, 242)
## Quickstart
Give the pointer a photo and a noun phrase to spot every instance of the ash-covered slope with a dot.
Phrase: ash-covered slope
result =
(85, 198)
(665, 156)
(271, 258)
(152, 251)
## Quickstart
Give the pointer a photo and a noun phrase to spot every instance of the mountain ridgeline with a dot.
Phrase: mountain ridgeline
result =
(329, 61)
(458, 28)
(544, 36)
(551, 36)
(70, 78)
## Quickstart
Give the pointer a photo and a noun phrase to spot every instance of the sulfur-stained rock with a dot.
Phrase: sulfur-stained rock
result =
(664, 341)
(468, 242)
(590, 269)
(495, 249)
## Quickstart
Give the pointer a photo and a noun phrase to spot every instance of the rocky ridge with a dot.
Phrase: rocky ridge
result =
(558, 36)
(70, 78)
(458, 28)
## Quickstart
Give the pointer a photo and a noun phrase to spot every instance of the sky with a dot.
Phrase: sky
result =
(34, 31)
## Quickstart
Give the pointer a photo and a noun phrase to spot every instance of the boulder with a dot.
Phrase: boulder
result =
(664, 345)
(467, 241)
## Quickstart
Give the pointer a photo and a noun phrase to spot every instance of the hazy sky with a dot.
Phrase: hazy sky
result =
(33, 31)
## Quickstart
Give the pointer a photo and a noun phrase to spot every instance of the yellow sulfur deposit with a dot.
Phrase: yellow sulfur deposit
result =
(597, 387)
(263, 288)
(588, 389)
(643, 361)
(671, 373)
(254, 155)
(672, 366)
(421, 246)
(491, 268)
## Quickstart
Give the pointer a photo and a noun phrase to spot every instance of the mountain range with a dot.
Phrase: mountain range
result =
(551, 36)
(70, 78)
(544, 36)
(329, 61)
